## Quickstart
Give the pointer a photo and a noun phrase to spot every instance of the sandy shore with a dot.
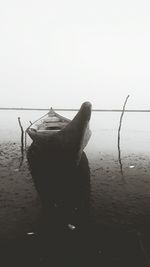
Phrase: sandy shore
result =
(19, 201)
(118, 220)
(121, 199)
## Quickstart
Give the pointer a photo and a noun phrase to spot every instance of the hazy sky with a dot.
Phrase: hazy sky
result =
(60, 53)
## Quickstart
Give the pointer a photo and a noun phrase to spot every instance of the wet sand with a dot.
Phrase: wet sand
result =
(121, 199)
(19, 200)
(116, 233)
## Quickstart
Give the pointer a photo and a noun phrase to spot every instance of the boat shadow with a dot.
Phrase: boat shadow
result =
(63, 187)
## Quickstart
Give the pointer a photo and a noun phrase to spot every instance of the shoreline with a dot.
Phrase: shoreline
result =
(74, 109)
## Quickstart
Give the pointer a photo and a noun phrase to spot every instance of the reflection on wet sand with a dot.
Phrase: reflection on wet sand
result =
(62, 185)
(64, 191)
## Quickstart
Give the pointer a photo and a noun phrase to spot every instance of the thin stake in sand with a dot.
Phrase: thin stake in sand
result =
(22, 141)
(119, 131)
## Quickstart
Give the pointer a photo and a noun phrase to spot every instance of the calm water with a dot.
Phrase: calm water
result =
(135, 132)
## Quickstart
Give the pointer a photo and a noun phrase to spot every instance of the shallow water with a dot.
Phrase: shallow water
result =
(135, 132)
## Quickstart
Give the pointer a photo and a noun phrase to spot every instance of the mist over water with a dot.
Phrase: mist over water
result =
(61, 52)
(135, 131)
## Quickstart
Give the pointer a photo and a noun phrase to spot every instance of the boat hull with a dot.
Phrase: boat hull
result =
(71, 139)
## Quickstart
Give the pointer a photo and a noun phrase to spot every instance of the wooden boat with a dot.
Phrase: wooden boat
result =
(69, 135)
(48, 125)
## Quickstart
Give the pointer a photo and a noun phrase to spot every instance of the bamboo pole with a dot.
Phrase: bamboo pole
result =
(22, 141)
(119, 132)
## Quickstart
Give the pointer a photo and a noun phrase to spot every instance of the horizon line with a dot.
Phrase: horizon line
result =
(75, 109)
